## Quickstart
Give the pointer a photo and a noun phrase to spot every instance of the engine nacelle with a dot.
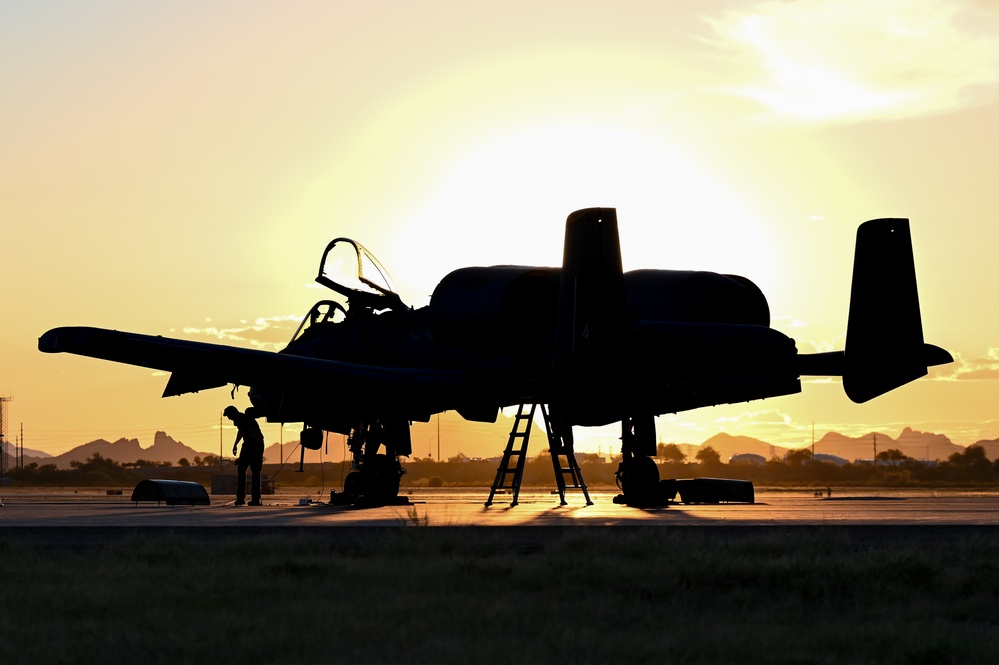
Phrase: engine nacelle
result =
(497, 301)
(694, 297)
(501, 301)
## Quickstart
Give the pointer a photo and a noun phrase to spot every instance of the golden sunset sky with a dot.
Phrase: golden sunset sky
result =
(177, 168)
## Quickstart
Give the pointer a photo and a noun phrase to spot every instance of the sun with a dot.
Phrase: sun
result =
(505, 200)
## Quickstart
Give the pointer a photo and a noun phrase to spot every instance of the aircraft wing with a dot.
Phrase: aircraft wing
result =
(198, 366)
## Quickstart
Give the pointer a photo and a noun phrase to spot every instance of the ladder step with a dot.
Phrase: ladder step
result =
(568, 475)
(511, 469)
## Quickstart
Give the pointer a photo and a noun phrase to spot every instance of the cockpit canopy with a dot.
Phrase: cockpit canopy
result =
(351, 270)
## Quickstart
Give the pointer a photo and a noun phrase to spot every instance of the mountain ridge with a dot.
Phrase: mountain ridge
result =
(492, 437)
(915, 444)
(124, 451)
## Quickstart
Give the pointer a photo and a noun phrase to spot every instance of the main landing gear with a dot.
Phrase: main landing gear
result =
(374, 476)
(638, 474)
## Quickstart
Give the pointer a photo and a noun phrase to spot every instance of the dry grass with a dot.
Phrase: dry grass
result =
(438, 595)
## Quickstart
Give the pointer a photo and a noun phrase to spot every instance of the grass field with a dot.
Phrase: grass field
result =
(439, 595)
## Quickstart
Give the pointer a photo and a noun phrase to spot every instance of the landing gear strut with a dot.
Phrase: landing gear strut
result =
(374, 477)
(638, 475)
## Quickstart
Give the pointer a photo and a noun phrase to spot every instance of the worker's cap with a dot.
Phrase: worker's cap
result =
(230, 411)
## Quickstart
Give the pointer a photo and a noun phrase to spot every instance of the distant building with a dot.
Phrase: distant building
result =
(829, 459)
(747, 458)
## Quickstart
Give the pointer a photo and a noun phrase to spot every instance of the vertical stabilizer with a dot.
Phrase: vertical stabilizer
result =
(591, 305)
(884, 339)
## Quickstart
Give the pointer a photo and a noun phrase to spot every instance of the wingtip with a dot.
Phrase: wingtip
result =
(935, 355)
(68, 339)
(49, 341)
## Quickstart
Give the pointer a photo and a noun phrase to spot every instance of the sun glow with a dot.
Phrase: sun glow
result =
(506, 202)
(183, 161)
(824, 61)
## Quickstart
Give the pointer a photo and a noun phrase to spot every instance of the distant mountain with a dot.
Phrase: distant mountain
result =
(10, 449)
(727, 445)
(489, 439)
(852, 448)
(915, 444)
(991, 447)
(473, 439)
(123, 451)
(925, 445)
(290, 454)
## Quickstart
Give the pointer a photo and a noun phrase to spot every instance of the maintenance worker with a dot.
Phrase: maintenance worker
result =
(251, 455)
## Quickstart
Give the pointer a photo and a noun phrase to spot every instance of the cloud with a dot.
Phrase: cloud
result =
(982, 368)
(820, 346)
(769, 425)
(266, 333)
(813, 380)
(816, 61)
(786, 322)
(755, 418)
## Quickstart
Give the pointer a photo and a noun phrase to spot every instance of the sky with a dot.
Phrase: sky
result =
(177, 168)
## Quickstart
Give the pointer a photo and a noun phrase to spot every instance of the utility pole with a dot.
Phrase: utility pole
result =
(4, 454)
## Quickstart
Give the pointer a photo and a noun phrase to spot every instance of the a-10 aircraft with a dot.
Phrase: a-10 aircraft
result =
(592, 344)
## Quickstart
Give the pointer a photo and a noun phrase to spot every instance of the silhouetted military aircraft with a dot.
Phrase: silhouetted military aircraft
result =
(592, 343)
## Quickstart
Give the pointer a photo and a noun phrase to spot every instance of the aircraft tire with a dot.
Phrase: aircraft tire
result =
(353, 485)
(384, 474)
(640, 480)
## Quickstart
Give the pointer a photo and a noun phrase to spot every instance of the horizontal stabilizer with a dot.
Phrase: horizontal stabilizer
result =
(833, 363)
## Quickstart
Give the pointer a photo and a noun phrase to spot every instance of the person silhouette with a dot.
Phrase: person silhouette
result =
(250, 455)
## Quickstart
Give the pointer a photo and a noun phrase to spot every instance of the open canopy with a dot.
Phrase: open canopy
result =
(351, 270)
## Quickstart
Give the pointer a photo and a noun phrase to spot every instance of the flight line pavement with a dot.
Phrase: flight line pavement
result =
(85, 517)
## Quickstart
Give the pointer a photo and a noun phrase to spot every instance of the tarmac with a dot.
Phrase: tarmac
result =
(80, 518)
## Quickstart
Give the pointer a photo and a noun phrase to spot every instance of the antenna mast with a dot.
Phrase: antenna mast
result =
(4, 454)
